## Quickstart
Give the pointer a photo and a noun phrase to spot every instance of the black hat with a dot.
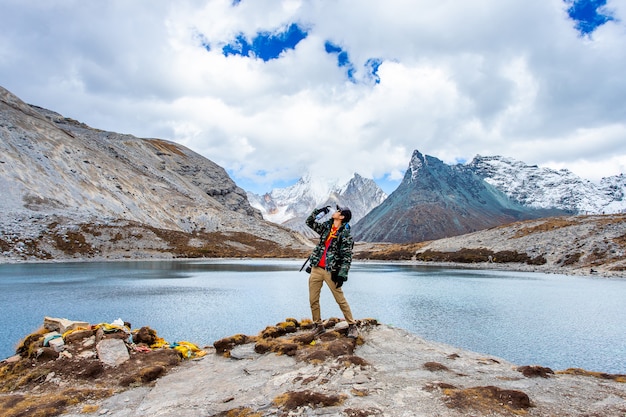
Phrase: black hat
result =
(347, 214)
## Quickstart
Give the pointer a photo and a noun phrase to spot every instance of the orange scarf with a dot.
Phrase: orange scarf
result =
(332, 235)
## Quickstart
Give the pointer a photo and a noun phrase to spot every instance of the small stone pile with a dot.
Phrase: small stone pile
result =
(111, 343)
(67, 361)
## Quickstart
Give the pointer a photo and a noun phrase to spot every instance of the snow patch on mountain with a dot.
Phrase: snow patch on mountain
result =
(539, 187)
(291, 205)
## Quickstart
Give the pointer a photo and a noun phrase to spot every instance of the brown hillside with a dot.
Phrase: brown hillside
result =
(570, 244)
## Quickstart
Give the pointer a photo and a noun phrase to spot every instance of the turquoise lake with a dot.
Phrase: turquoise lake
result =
(527, 318)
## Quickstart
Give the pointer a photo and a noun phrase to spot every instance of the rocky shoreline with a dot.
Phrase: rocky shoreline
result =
(523, 267)
(513, 267)
(286, 370)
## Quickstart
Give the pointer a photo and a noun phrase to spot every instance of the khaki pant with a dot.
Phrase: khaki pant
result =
(316, 280)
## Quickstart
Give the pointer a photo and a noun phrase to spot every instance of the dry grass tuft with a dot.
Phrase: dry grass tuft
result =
(46, 405)
(488, 399)
(601, 375)
(304, 339)
(435, 366)
(360, 392)
(570, 259)
(16, 375)
(546, 226)
(4, 245)
(239, 412)
(352, 360)
(27, 348)
(306, 324)
(294, 399)
(228, 343)
(143, 376)
(389, 252)
(535, 371)
(288, 326)
(74, 243)
(365, 412)
(145, 335)
(339, 347)
(89, 408)
(272, 332)
(315, 356)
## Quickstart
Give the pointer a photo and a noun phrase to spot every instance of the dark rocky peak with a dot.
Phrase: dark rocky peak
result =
(437, 200)
(417, 165)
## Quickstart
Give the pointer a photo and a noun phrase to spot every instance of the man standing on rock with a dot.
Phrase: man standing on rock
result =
(330, 263)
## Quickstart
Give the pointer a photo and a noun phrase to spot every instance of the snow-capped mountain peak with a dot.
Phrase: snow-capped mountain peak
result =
(291, 205)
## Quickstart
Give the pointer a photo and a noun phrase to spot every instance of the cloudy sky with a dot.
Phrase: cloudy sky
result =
(272, 89)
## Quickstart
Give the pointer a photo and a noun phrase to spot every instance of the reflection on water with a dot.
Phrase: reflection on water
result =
(551, 320)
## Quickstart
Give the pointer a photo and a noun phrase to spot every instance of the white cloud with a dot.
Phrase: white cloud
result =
(458, 79)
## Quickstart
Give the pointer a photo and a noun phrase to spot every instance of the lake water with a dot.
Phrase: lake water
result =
(527, 318)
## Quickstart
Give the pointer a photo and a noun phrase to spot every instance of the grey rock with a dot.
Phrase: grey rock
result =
(243, 352)
(112, 352)
(57, 344)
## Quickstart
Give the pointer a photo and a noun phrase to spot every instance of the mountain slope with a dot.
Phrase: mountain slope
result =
(436, 200)
(538, 187)
(56, 173)
(290, 206)
(580, 244)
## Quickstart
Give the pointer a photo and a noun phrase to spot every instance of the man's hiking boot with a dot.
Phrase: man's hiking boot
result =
(318, 329)
(353, 332)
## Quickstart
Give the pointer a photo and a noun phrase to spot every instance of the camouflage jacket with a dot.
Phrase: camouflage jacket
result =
(339, 255)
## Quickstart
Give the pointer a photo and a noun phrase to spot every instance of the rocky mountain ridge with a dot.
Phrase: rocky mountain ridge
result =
(521, 191)
(546, 188)
(70, 190)
(73, 192)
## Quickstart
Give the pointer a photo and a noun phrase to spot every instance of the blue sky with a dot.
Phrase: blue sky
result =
(588, 15)
(274, 89)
